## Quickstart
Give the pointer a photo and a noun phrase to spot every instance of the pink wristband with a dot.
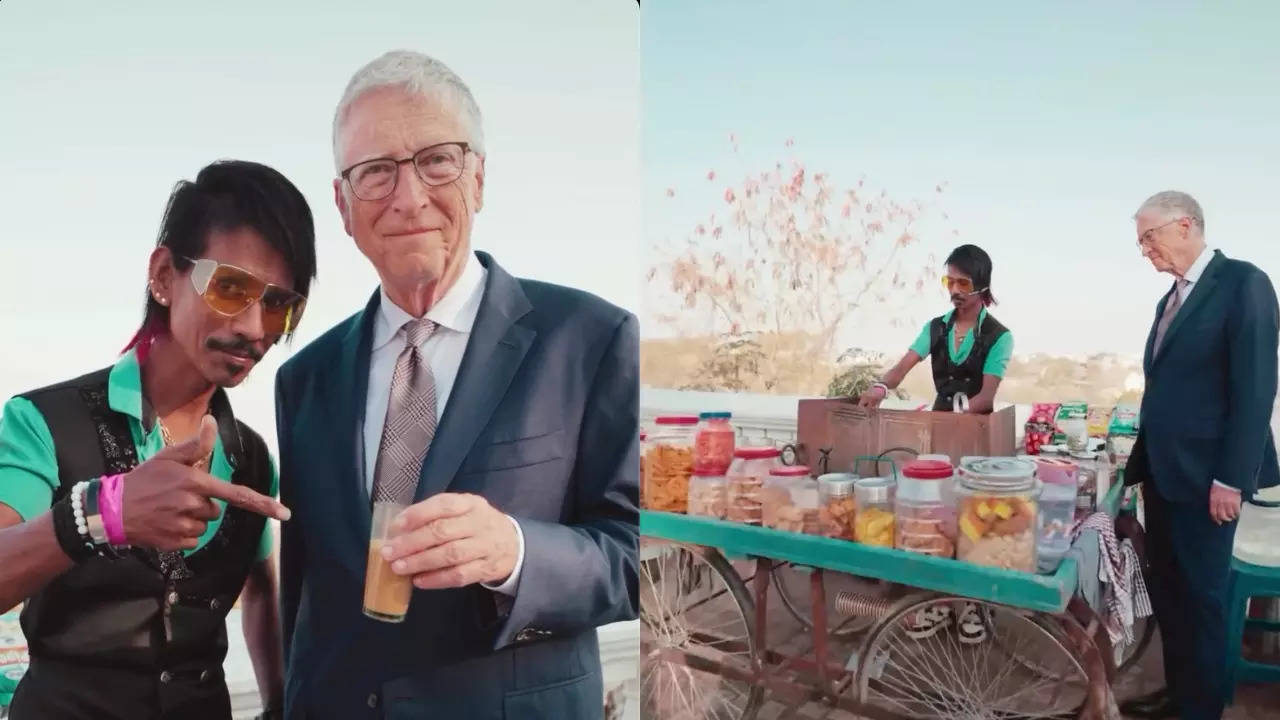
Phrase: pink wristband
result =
(111, 506)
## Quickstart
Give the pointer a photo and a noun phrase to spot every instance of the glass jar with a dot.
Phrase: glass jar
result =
(1057, 510)
(924, 518)
(874, 522)
(1086, 483)
(745, 480)
(708, 496)
(644, 444)
(713, 444)
(839, 508)
(997, 503)
(776, 492)
(668, 461)
(800, 512)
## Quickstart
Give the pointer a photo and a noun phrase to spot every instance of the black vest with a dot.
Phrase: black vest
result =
(143, 636)
(966, 377)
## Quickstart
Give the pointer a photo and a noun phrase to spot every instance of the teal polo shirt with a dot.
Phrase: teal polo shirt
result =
(29, 467)
(997, 359)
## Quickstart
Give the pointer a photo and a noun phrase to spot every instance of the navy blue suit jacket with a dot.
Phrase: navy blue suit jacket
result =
(1210, 389)
(543, 422)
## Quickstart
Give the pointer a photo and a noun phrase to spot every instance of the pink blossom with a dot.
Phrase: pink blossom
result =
(671, 192)
(711, 175)
(728, 195)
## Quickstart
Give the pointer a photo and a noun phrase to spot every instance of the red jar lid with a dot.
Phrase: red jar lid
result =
(790, 471)
(928, 470)
(757, 453)
(676, 420)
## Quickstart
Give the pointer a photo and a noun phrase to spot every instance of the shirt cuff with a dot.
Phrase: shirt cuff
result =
(1215, 482)
(513, 581)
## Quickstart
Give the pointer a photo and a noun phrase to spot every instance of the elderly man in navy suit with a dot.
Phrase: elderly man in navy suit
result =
(503, 412)
(1205, 442)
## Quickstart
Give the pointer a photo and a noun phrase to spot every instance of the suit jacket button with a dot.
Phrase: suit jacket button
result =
(373, 700)
(205, 675)
(166, 676)
(215, 604)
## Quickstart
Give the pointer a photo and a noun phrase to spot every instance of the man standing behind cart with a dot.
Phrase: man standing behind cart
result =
(970, 350)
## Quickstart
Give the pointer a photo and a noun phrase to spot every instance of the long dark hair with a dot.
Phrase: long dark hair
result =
(976, 263)
(228, 195)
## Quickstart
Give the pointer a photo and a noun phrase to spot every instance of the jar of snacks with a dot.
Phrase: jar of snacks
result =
(776, 492)
(839, 506)
(998, 506)
(668, 461)
(708, 495)
(1086, 483)
(924, 518)
(745, 480)
(1057, 510)
(713, 444)
(800, 513)
(643, 446)
(873, 524)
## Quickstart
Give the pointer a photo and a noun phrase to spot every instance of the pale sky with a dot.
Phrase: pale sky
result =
(1051, 122)
(107, 105)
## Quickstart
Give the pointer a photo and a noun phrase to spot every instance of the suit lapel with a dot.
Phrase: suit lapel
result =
(493, 355)
(1200, 293)
(1149, 354)
(352, 372)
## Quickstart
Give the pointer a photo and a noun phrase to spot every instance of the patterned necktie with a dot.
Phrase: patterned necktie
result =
(411, 420)
(1170, 310)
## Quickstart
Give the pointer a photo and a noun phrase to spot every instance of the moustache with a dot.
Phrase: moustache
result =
(238, 346)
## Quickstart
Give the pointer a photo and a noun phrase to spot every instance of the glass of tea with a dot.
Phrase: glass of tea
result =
(386, 594)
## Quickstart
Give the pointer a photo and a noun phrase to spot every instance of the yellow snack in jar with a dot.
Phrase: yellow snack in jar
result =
(667, 471)
(874, 526)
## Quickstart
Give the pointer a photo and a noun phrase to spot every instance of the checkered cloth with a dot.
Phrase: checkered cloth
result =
(1120, 569)
(411, 419)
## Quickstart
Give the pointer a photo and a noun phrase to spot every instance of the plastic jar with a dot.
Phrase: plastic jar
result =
(1057, 510)
(839, 507)
(713, 444)
(874, 522)
(924, 518)
(1086, 483)
(745, 480)
(800, 513)
(997, 503)
(668, 461)
(644, 444)
(776, 492)
(708, 496)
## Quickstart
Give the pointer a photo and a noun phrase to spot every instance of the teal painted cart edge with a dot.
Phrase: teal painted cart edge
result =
(1044, 593)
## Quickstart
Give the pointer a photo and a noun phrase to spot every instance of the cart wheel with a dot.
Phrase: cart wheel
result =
(792, 583)
(697, 641)
(907, 671)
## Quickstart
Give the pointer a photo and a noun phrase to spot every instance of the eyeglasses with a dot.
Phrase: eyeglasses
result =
(963, 285)
(229, 290)
(1146, 237)
(436, 165)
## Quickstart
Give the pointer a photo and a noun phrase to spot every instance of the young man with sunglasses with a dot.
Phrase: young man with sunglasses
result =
(970, 351)
(502, 412)
(133, 505)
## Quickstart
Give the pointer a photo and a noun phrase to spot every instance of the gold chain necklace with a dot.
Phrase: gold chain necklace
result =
(167, 438)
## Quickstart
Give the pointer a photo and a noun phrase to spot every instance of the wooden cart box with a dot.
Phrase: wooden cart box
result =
(840, 430)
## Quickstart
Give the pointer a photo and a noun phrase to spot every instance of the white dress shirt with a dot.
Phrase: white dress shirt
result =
(1191, 277)
(454, 316)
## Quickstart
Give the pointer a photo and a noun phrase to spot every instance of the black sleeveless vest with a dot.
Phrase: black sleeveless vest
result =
(143, 636)
(950, 378)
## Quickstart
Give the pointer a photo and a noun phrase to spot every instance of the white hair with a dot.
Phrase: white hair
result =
(418, 74)
(1171, 205)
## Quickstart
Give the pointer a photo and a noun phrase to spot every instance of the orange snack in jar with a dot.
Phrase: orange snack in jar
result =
(668, 464)
(713, 444)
